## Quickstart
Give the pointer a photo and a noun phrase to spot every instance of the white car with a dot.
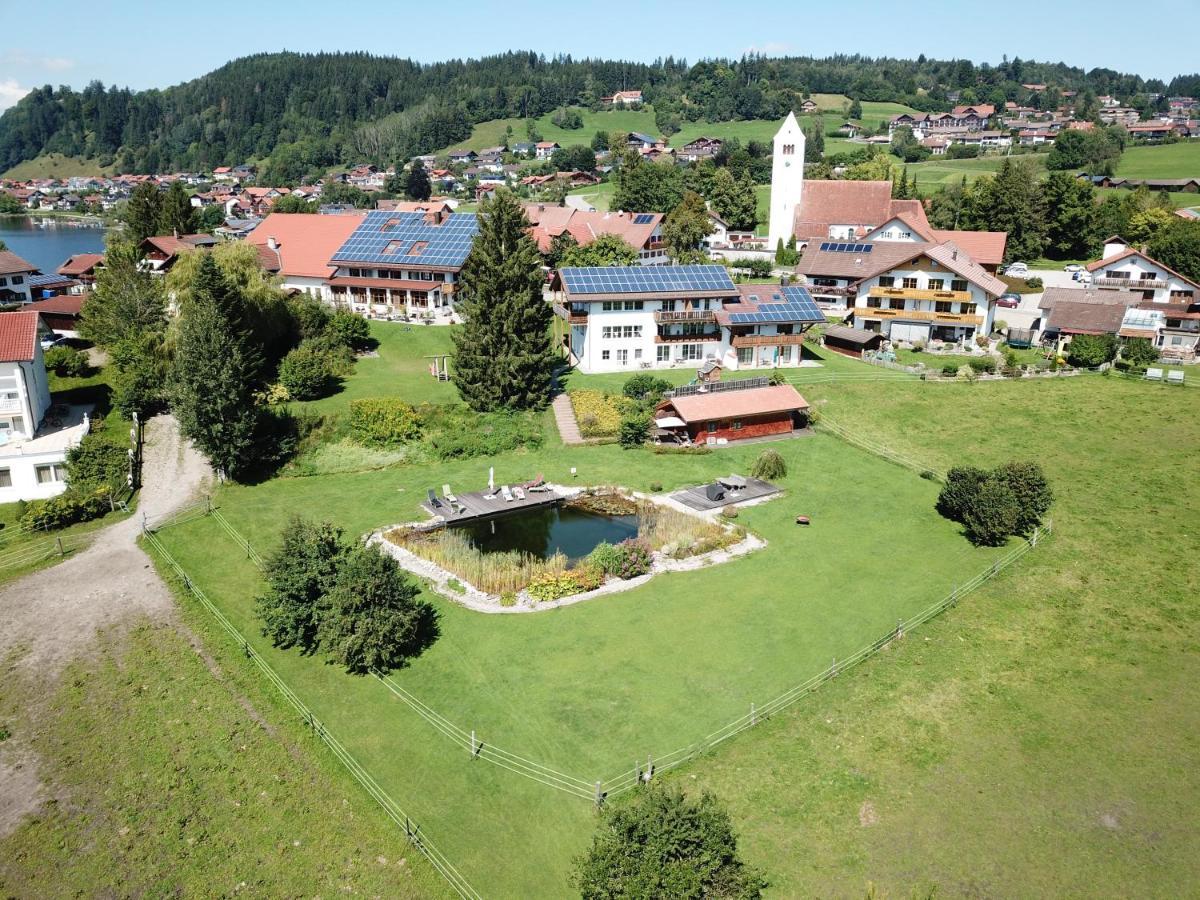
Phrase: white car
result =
(1083, 277)
(1017, 270)
(1073, 268)
(52, 340)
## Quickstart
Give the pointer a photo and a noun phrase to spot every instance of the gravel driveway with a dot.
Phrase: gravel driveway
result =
(51, 616)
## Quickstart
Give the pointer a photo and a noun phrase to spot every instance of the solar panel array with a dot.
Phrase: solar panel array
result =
(643, 219)
(785, 304)
(38, 280)
(646, 279)
(836, 247)
(445, 245)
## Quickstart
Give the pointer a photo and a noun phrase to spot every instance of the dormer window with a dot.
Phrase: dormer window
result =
(417, 248)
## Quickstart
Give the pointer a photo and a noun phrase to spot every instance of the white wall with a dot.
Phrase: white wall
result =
(787, 181)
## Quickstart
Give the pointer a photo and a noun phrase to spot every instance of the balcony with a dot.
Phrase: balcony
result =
(830, 290)
(917, 316)
(672, 317)
(919, 294)
(767, 340)
(573, 316)
(707, 336)
(1130, 284)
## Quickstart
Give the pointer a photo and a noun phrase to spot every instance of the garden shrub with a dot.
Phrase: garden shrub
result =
(383, 421)
(950, 370)
(655, 487)
(1086, 351)
(769, 466)
(634, 430)
(508, 598)
(588, 577)
(1139, 353)
(305, 372)
(730, 512)
(673, 450)
(68, 508)
(349, 329)
(552, 586)
(644, 385)
(981, 341)
(606, 557)
(982, 364)
(455, 432)
(66, 361)
(1033, 282)
(598, 413)
(636, 558)
(992, 515)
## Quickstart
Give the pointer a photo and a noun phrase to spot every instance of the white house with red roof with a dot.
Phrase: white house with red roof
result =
(14, 278)
(1127, 268)
(298, 248)
(35, 435)
(624, 98)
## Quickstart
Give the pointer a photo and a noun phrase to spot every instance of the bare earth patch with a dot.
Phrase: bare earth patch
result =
(867, 815)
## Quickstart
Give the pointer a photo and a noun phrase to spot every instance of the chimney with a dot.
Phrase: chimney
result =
(272, 244)
(954, 253)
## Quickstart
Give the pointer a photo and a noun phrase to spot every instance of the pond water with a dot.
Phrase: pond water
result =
(47, 241)
(547, 530)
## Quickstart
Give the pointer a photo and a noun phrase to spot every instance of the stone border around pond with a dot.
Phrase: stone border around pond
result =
(480, 601)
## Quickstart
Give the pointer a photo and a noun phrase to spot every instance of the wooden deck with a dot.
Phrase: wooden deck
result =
(696, 498)
(483, 504)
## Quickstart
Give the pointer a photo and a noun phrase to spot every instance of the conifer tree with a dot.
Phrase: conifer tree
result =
(176, 215)
(143, 212)
(417, 185)
(504, 357)
(213, 383)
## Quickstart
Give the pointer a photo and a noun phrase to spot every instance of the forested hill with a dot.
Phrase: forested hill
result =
(312, 110)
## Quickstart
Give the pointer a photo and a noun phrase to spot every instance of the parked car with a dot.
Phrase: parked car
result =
(1009, 301)
(1073, 268)
(52, 340)
(1084, 277)
(1017, 270)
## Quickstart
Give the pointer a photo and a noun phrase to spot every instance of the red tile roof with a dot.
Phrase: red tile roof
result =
(80, 264)
(732, 404)
(306, 241)
(825, 203)
(985, 247)
(585, 227)
(18, 336)
(62, 305)
(11, 264)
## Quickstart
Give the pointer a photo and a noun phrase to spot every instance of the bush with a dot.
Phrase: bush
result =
(1000, 325)
(97, 464)
(981, 341)
(992, 515)
(588, 577)
(730, 512)
(643, 385)
(634, 430)
(769, 466)
(655, 487)
(349, 329)
(1034, 282)
(552, 586)
(636, 558)
(1139, 352)
(66, 361)
(1032, 491)
(68, 508)
(455, 432)
(305, 372)
(383, 421)
(508, 598)
(598, 413)
(982, 364)
(1086, 351)
(950, 370)
(606, 557)
(961, 484)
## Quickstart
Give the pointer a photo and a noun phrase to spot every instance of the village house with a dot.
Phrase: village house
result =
(82, 267)
(34, 435)
(623, 98)
(160, 252)
(809, 106)
(14, 278)
(700, 148)
(545, 149)
(641, 231)
(298, 247)
(402, 263)
(730, 411)
(60, 313)
(1120, 115)
(1124, 267)
(620, 318)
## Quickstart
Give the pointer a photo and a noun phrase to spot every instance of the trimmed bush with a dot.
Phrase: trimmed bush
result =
(769, 466)
(982, 364)
(305, 372)
(992, 515)
(1086, 351)
(349, 329)
(634, 430)
(643, 385)
(66, 361)
(383, 421)
(961, 484)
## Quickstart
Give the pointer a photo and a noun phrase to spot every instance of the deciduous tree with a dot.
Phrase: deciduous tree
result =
(605, 250)
(686, 226)
(126, 302)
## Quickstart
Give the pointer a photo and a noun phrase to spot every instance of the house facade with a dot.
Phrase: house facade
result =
(14, 278)
(34, 436)
(402, 263)
(1126, 268)
(622, 318)
(298, 248)
(641, 231)
(731, 411)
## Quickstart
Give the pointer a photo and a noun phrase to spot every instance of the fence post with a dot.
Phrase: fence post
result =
(207, 505)
(143, 521)
(649, 767)
(58, 541)
(599, 795)
(899, 628)
(753, 715)
(474, 746)
(833, 668)
(1033, 540)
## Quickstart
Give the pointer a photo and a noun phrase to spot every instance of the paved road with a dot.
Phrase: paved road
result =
(1028, 313)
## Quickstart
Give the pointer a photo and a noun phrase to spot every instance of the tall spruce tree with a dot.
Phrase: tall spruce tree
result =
(143, 212)
(417, 185)
(504, 357)
(213, 377)
(176, 215)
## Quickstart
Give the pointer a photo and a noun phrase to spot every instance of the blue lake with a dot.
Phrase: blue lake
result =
(47, 241)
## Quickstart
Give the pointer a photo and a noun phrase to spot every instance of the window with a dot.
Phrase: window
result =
(958, 284)
(1149, 276)
(937, 284)
(668, 306)
(49, 474)
(942, 306)
(1114, 273)
(737, 424)
(663, 353)
(712, 427)
(689, 351)
(909, 283)
(887, 281)
(604, 354)
(623, 357)
(967, 309)
(5, 478)
(896, 303)
(637, 354)
(633, 305)
(789, 149)
(18, 279)
(3, 282)
(745, 356)
(874, 302)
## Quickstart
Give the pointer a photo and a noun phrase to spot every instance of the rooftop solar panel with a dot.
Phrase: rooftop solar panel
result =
(844, 247)
(643, 219)
(645, 279)
(787, 304)
(391, 238)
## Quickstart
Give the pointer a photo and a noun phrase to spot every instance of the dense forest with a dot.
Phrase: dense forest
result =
(306, 111)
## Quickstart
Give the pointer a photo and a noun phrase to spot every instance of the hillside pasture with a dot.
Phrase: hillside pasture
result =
(1181, 160)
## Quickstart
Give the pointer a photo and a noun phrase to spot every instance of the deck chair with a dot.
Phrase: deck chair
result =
(518, 493)
(434, 502)
(1154, 375)
(506, 493)
(1175, 377)
(714, 492)
(449, 496)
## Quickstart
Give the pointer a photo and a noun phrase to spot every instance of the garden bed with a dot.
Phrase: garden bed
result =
(670, 539)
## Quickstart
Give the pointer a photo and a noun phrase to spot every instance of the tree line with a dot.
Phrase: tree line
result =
(322, 109)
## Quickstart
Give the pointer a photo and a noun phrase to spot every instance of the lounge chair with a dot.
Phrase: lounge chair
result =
(449, 496)
(1154, 375)
(506, 493)
(535, 484)
(518, 493)
(714, 492)
(1175, 377)
(434, 502)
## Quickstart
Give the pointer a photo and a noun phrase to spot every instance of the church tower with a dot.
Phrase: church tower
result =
(787, 180)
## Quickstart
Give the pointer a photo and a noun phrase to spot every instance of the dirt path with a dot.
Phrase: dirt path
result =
(52, 616)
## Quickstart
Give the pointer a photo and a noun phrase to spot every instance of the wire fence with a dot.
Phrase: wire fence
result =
(877, 448)
(474, 747)
(412, 831)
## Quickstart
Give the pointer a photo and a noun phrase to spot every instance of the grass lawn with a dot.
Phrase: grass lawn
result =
(936, 173)
(492, 132)
(1181, 160)
(1178, 199)
(170, 781)
(55, 165)
(599, 195)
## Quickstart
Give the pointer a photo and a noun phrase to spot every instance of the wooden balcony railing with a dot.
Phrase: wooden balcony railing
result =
(919, 294)
(661, 338)
(767, 340)
(1130, 284)
(668, 317)
(573, 316)
(917, 316)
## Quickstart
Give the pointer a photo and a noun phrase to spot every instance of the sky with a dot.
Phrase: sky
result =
(149, 43)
